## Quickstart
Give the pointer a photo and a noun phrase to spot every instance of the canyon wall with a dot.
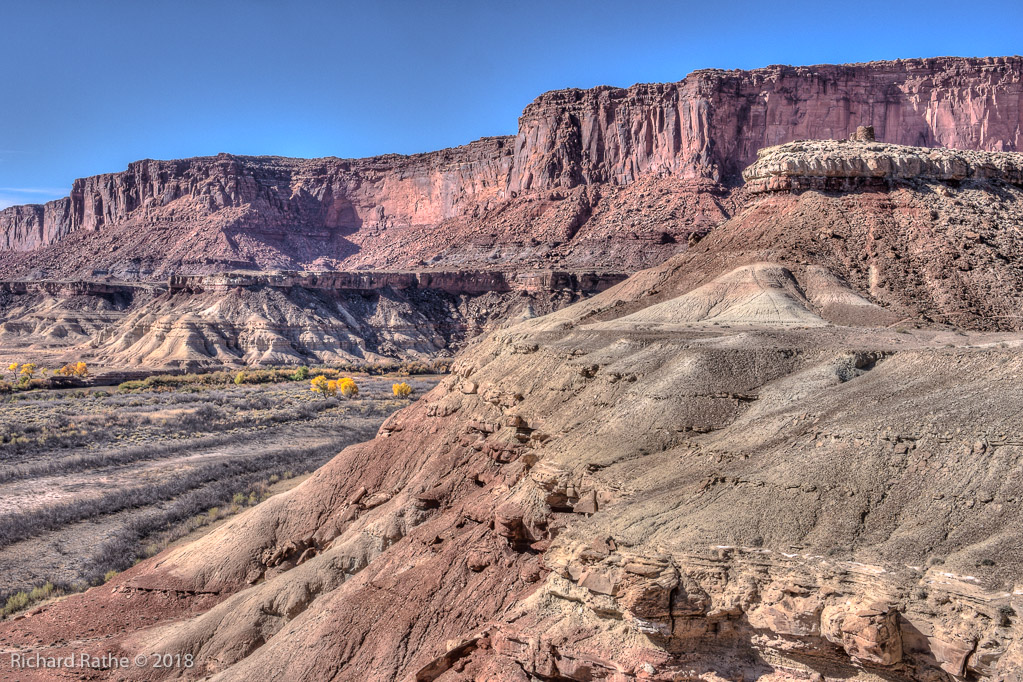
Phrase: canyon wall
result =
(709, 126)
(270, 194)
(565, 191)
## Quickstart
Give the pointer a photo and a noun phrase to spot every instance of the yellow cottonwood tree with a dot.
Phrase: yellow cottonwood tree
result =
(348, 387)
(319, 384)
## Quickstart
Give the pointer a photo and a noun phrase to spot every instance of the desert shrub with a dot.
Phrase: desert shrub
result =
(40, 593)
(256, 402)
(438, 366)
(300, 374)
(15, 603)
(24, 599)
(310, 410)
(263, 376)
(239, 378)
(401, 390)
(203, 416)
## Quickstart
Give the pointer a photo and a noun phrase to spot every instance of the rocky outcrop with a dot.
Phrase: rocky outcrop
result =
(465, 282)
(607, 176)
(847, 165)
(808, 614)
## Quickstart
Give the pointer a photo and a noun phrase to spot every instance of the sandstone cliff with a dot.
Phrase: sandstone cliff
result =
(600, 177)
(710, 125)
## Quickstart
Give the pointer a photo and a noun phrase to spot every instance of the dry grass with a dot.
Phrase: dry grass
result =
(138, 468)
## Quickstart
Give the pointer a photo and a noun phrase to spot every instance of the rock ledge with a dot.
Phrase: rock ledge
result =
(851, 164)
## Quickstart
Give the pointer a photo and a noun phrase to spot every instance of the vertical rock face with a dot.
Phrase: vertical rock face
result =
(25, 227)
(269, 194)
(502, 196)
(710, 125)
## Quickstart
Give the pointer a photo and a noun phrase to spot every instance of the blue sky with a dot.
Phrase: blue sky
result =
(89, 86)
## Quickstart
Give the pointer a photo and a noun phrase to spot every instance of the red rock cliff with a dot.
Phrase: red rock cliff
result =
(536, 197)
(711, 124)
(271, 194)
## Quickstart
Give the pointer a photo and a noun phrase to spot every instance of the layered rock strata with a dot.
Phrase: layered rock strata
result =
(602, 177)
(847, 165)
